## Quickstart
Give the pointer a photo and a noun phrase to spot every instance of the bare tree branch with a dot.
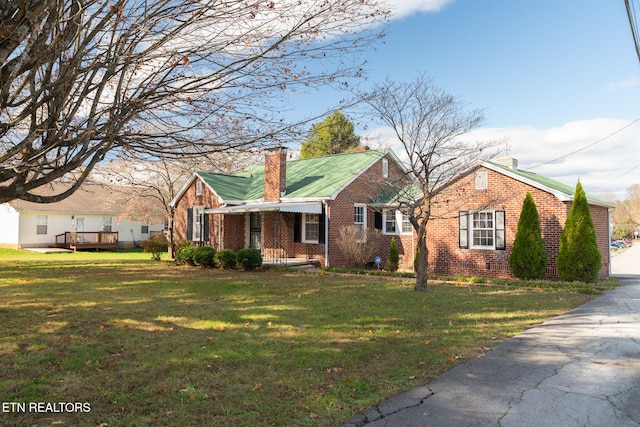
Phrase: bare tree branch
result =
(431, 125)
(84, 80)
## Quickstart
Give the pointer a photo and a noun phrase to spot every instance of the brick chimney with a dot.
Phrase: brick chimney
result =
(275, 175)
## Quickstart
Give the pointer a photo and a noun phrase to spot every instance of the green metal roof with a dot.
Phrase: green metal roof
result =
(318, 177)
(550, 183)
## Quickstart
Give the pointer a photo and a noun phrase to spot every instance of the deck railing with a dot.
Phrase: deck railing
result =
(87, 240)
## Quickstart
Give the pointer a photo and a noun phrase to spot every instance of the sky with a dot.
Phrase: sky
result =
(559, 79)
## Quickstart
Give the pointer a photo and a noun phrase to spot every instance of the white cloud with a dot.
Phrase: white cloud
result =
(403, 8)
(624, 84)
(602, 153)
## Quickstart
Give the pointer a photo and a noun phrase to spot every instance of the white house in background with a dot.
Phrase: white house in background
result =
(91, 209)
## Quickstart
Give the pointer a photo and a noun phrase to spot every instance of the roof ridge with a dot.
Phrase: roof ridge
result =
(349, 153)
(548, 182)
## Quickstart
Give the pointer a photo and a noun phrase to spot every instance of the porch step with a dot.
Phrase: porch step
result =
(293, 262)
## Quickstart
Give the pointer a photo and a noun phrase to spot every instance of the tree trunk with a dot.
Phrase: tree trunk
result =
(422, 268)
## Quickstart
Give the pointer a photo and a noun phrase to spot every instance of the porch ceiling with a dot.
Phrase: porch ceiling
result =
(309, 207)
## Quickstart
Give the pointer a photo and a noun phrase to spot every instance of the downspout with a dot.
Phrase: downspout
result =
(326, 234)
(609, 240)
(219, 231)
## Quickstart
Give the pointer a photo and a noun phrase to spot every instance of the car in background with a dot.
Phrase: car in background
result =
(617, 245)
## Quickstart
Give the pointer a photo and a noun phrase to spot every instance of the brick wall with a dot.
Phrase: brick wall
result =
(341, 213)
(503, 193)
(189, 199)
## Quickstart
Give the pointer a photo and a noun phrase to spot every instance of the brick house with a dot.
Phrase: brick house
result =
(296, 208)
(477, 238)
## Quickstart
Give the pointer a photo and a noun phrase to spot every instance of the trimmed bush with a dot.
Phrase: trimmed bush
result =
(226, 258)
(155, 244)
(528, 259)
(249, 258)
(203, 255)
(394, 257)
(185, 255)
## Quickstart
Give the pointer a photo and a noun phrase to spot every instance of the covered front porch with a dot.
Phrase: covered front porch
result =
(288, 234)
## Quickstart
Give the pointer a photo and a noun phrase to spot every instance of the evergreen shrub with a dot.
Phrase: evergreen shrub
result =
(249, 258)
(394, 257)
(226, 258)
(203, 256)
(528, 259)
(578, 256)
(185, 254)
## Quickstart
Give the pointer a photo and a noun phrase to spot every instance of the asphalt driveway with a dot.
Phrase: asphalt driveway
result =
(578, 369)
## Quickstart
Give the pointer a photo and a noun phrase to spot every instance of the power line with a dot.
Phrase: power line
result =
(633, 24)
(586, 146)
(617, 177)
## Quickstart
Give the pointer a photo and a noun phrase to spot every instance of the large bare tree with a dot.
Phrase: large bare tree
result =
(430, 124)
(85, 80)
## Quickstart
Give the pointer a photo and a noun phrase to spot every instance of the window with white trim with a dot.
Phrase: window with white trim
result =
(385, 168)
(407, 228)
(396, 222)
(390, 222)
(482, 230)
(310, 228)
(198, 188)
(41, 224)
(198, 224)
(107, 223)
(360, 221)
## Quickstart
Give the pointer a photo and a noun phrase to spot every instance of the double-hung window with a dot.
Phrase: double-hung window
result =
(407, 228)
(396, 222)
(390, 226)
(198, 223)
(311, 228)
(41, 224)
(482, 230)
(360, 222)
(107, 223)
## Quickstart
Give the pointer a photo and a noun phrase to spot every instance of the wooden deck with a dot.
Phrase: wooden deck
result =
(76, 240)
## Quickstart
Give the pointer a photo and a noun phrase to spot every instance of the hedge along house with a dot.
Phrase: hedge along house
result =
(476, 239)
(296, 208)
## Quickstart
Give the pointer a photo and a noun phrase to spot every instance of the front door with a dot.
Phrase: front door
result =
(79, 224)
(255, 230)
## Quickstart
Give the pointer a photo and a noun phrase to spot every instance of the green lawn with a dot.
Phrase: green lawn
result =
(150, 344)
